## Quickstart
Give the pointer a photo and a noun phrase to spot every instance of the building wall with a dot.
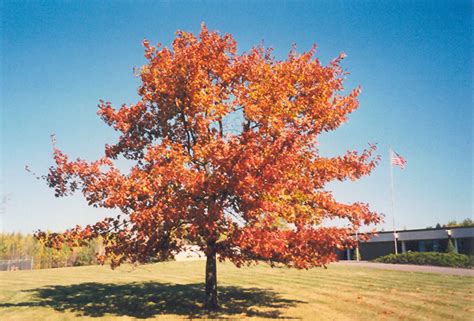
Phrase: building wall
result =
(370, 251)
(431, 245)
(466, 245)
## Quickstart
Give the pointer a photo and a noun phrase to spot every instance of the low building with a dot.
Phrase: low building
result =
(419, 240)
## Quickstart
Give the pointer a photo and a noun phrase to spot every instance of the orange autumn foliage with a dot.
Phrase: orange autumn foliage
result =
(226, 158)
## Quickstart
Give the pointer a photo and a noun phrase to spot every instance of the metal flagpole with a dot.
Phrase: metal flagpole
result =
(393, 203)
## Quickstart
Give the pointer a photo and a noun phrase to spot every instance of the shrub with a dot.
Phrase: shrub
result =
(429, 258)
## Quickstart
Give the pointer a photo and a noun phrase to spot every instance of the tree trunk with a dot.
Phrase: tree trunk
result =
(211, 278)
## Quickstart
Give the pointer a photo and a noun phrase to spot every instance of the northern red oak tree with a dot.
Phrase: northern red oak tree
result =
(226, 156)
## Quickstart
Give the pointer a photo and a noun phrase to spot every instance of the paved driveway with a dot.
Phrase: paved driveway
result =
(409, 267)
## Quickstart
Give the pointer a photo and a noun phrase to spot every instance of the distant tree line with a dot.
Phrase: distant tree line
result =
(16, 246)
(454, 223)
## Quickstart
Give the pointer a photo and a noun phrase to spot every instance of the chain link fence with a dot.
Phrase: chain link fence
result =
(17, 264)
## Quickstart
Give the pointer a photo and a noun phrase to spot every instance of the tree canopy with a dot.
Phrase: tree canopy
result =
(226, 157)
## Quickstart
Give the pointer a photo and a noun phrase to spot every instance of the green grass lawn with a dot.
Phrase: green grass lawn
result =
(175, 290)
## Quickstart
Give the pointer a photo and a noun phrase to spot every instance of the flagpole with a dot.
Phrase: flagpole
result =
(393, 202)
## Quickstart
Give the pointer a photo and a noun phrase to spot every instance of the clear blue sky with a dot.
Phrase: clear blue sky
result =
(412, 59)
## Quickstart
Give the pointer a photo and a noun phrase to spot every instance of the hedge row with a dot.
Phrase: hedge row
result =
(429, 258)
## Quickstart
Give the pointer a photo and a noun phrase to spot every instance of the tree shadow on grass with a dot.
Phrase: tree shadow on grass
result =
(148, 299)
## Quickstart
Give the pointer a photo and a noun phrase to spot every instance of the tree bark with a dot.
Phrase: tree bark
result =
(211, 278)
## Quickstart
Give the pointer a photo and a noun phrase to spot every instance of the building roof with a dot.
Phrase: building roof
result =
(425, 234)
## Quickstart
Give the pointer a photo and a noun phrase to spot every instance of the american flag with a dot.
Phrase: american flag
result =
(398, 160)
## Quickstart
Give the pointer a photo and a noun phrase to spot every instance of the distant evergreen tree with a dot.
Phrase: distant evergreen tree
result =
(450, 248)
